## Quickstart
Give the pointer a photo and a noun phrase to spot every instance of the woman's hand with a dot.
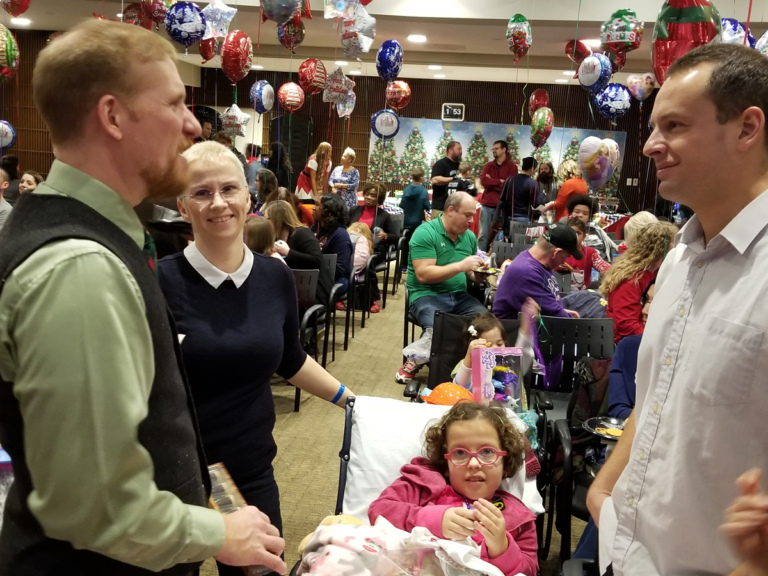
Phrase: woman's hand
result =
(382, 235)
(282, 248)
(458, 523)
(491, 524)
(478, 343)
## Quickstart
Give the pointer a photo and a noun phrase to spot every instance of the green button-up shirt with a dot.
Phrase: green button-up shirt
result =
(75, 342)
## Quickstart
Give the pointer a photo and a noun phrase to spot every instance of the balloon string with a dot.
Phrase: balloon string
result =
(640, 156)
(746, 28)
(258, 34)
(568, 90)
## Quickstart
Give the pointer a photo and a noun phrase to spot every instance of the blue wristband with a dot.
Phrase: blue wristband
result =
(338, 394)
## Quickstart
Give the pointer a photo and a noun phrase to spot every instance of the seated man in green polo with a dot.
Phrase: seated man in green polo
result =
(442, 255)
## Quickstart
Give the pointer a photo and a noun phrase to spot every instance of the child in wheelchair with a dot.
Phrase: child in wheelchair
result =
(455, 491)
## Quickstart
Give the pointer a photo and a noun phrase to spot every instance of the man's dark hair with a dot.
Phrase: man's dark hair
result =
(10, 163)
(529, 163)
(277, 151)
(502, 143)
(452, 144)
(252, 150)
(582, 200)
(739, 78)
(222, 137)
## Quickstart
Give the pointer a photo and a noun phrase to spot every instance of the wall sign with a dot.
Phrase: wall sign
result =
(453, 113)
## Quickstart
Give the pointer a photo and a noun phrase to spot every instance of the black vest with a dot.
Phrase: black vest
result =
(169, 433)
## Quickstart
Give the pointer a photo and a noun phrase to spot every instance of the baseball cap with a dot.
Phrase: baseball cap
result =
(563, 236)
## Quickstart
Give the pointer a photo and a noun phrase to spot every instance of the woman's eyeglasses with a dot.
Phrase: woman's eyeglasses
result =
(204, 196)
(487, 456)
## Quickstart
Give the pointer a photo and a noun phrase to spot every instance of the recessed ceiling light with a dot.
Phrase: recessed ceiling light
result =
(355, 72)
(570, 73)
(593, 42)
(561, 81)
(341, 63)
(21, 21)
(119, 14)
(257, 67)
(416, 38)
(434, 67)
(439, 75)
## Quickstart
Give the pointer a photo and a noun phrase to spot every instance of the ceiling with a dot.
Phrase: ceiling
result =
(465, 37)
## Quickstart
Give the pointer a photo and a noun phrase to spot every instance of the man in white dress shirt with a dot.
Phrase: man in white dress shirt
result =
(700, 417)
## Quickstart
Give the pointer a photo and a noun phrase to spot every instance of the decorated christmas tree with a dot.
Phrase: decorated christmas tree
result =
(572, 151)
(611, 188)
(382, 164)
(543, 154)
(513, 147)
(414, 156)
(442, 146)
(477, 155)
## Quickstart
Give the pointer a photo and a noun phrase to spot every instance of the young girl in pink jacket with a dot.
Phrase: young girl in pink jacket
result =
(454, 491)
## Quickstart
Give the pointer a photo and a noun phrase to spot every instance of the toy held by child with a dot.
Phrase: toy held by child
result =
(455, 491)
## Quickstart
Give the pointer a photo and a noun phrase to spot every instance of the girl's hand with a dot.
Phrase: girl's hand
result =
(383, 235)
(458, 523)
(491, 524)
(479, 343)
(282, 248)
(530, 312)
(746, 523)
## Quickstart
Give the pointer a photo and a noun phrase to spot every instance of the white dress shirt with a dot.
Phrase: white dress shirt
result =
(213, 275)
(702, 418)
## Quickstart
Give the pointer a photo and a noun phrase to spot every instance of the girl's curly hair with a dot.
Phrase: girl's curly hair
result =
(511, 440)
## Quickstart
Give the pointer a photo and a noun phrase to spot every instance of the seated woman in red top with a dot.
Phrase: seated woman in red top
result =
(630, 276)
(581, 270)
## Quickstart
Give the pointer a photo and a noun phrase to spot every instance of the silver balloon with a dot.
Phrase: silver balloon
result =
(280, 10)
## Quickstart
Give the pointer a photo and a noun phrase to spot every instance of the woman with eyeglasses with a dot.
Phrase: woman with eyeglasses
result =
(238, 324)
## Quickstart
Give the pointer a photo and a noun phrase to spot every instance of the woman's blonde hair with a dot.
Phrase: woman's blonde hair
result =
(322, 156)
(568, 169)
(349, 153)
(282, 215)
(260, 235)
(210, 151)
(636, 224)
(362, 229)
(648, 249)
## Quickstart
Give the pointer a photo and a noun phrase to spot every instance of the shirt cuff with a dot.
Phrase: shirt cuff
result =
(207, 534)
(431, 518)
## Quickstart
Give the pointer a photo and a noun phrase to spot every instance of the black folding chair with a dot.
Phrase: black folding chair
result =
(523, 239)
(306, 288)
(390, 256)
(329, 267)
(563, 281)
(409, 318)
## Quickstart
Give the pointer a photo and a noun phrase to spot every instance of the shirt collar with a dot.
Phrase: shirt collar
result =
(66, 180)
(213, 275)
(740, 232)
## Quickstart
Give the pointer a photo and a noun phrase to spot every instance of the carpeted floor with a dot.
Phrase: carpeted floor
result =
(307, 463)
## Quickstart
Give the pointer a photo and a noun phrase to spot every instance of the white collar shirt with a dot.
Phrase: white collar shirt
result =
(213, 275)
(701, 413)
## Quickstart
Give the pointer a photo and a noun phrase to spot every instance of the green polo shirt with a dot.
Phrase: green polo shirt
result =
(430, 241)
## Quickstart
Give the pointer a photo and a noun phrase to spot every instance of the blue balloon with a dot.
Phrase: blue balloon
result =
(733, 32)
(7, 135)
(185, 23)
(595, 72)
(385, 123)
(613, 101)
(389, 60)
(262, 96)
(281, 11)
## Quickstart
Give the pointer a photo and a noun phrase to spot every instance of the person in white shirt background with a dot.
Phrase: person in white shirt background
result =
(699, 420)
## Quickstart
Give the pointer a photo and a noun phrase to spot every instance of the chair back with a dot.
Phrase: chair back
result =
(570, 339)
(523, 239)
(563, 281)
(520, 227)
(306, 287)
(612, 236)
(397, 223)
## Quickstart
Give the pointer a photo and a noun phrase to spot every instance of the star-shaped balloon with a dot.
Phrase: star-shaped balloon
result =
(337, 87)
(234, 121)
(218, 16)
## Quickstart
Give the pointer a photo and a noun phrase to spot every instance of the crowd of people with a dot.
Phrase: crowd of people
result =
(152, 368)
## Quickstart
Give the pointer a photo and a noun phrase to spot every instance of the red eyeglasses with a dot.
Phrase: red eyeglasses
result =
(487, 456)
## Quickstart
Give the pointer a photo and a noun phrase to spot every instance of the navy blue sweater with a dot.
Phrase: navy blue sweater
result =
(235, 339)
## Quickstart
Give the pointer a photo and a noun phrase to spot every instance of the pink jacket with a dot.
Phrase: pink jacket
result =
(421, 496)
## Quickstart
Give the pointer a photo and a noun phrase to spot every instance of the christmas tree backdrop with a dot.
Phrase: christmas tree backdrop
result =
(513, 148)
(382, 164)
(611, 188)
(477, 154)
(572, 151)
(414, 156)
(442, 146)
(543, 154)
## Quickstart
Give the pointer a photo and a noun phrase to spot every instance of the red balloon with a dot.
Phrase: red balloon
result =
(398, 94)
(16, 7)
(208, 49)
(539, 99)
(290, 96)
(312, 76)
(134, 14)
(154, 10)
(618, 60)
(576, 51)
(236, 55)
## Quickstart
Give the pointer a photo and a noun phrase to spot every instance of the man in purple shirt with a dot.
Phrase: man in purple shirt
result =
(530, 275)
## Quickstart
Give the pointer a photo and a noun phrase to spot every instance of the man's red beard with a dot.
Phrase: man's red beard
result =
(169, 183)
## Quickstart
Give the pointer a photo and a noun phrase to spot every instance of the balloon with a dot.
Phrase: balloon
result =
(345, 108)
(15, 8)
(218, 17)
(236, 55)
(339, 8)
(208, 49)
(7, 135)
(681, 26)
(357, 33)
(595, 72)
(185, 23)
(280, 10)
(9, 54)
(762, 44)
(519, 36)
(290, 35)
(539, 99)
(541, 126)
(262, 96)
(337, 87)
(733, 32)
(576, 51)
(134, 14)
(613, 101)
(447, 394)
(389, 60)
(234, 121)
(155, 10)
(622, 33)
(312, 76)
(385, 123)
(617, 61)
(290, 96)
(641, 85)
(598, 159)
(398, 94)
